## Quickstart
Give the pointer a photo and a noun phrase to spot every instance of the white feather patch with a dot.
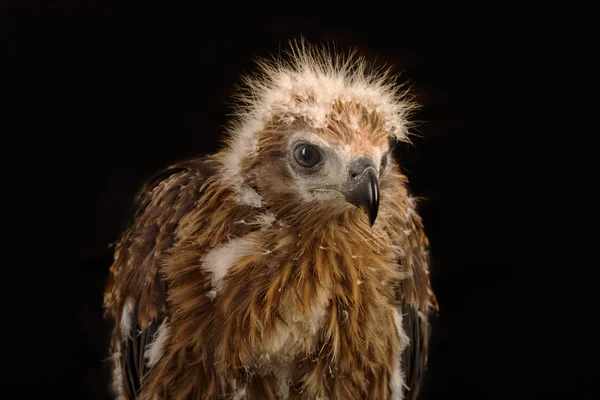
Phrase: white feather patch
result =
(117, 382)
(127, 318)
(237, 151)
(117, 374)
(220, 259)
(155, 350)
(239, 394)
(249, 197)
(265, 220)
(117, 385)
(284, 381)
(397, 384)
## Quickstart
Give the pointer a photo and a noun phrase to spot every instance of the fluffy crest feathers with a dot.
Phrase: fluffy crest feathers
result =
(324, 75)
(303, 84)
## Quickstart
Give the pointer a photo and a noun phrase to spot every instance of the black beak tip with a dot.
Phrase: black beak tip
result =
(372, 216)
(374, 208)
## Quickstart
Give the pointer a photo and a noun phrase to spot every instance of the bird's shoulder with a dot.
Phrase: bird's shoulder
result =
(159, 207)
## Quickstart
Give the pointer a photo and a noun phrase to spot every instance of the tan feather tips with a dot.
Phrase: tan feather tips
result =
(308, 80)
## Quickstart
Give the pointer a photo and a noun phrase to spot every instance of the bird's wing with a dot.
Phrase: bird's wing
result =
(135, 290)
(416, 300)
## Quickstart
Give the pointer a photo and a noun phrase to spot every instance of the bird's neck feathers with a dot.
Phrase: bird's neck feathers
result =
(234, 208)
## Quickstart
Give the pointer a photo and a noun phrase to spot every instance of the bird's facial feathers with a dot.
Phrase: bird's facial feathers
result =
(332, 172)
(316, 131)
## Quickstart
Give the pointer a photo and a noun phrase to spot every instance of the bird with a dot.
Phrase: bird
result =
(290, 264)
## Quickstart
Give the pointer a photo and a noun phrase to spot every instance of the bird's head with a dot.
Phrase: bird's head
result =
(316, 133)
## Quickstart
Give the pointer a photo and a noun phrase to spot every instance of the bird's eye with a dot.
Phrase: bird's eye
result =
(307, 155)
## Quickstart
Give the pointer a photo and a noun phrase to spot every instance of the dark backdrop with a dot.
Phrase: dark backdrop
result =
(105, 93)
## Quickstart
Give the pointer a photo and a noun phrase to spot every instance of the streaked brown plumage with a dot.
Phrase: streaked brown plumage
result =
(257, 284)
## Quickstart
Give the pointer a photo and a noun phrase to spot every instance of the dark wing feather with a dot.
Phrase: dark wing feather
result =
(416, 301)
(135, 274)
(133, 363)
(415, 356)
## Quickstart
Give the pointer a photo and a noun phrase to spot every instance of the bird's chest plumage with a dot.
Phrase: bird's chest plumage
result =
(325, 295)
(287, 309)
(297, 333)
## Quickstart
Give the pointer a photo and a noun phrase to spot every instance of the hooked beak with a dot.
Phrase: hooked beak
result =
(362, 188)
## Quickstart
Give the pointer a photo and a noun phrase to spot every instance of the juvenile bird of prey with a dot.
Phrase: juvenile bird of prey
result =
(290, 265)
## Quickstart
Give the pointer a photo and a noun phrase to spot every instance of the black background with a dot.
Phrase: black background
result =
(104, 93)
